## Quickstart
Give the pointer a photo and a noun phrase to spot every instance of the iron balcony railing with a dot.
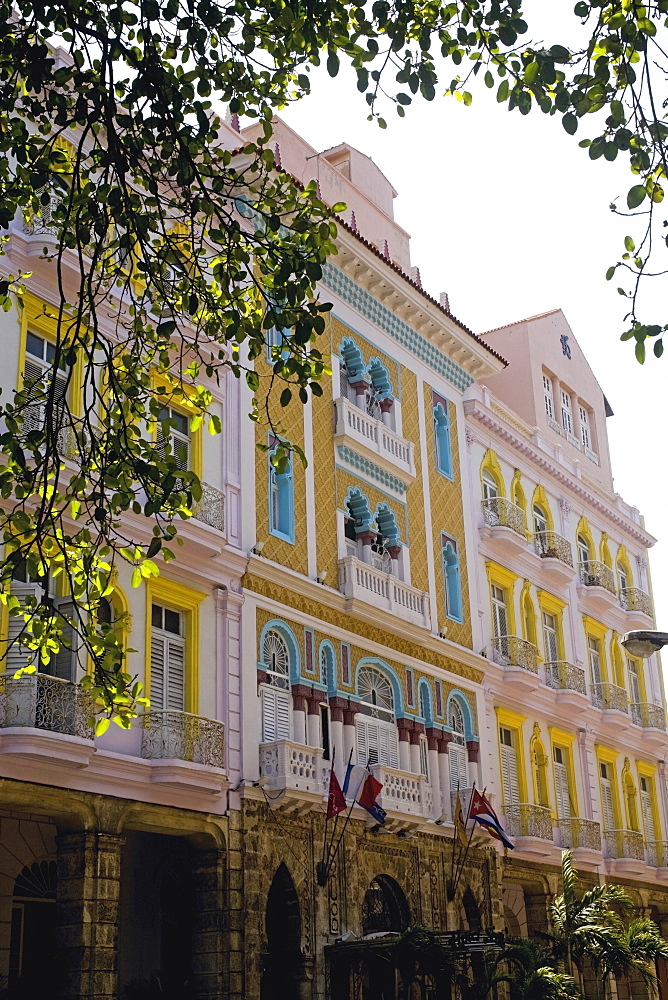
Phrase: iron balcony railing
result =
(499, 512)
(211, 508)
(563, 676)
(648, 716)
(526, 820)
(550, 545)
(577, 832)
(635, 599)
(624, 844)
(511, 651)
(610, 697)
(39, 701)
(174, 735)
(597, 574)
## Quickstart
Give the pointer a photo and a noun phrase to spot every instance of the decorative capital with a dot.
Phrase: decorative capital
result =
(470, 437)
(565, 506)
(473, 747)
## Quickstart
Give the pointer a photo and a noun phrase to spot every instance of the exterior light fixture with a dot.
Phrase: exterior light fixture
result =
(643, 642)
(257, 548)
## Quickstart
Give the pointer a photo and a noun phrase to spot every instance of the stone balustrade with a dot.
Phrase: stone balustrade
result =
(648, 716)
(596, 574)
(656, 853)
(635, 599)
(577, 832)
(499, 512)
(610, 697)
(174, 735)
(361, 581)
(511, 651)
(292, 766)
(39, 701)
(563, 676)
(527, 820)
(550, 545)
(403, 792)
(361, 428)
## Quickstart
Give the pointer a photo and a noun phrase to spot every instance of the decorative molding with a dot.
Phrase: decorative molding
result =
(370, 470)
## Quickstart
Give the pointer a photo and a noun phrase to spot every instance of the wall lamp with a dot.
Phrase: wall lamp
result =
(643, 643)
(257, 548)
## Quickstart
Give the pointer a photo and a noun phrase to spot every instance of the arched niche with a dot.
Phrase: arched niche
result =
(384, 907)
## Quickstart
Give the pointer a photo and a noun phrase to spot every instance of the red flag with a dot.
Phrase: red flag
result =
(336, 802)
(368, 799)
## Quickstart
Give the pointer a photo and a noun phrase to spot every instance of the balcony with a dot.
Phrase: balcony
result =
(638, 604)
(531, 826)
(519, 659)
(610, 697)
(405, 797)
(567, 679)
(656, 853)
(359, 581)
(357, 430)
(504, 525)
(580, 834)
(556, 554)
(294, 769)
(186, 750)
(651, 719)
(626, 848)
(598, 581)
(46, 718)
(211, 508)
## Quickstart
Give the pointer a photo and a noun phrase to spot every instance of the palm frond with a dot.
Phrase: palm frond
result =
(570, 878)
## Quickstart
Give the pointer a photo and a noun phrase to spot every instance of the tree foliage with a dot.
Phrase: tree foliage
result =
(173, 254)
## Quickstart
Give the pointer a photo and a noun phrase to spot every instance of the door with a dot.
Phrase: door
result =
(499, 612)
(550, 638)
(563, 798)
(509, 777)
(647, 811)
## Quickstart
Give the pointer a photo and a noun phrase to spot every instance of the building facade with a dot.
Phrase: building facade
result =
(437, 596)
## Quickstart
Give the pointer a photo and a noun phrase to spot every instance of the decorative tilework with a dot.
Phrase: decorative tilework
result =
(379, 314)
(325, 473)
(417, 528)
(370, 470)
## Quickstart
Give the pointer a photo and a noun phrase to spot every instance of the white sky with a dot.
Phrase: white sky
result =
(510, 217)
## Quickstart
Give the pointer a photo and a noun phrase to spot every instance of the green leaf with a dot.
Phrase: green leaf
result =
(332, 64)
(658, 348)
(570, 123)
(610, 273)
(629, 244)
(636, 196)
(102, 725)
(640, 351)
(502, 92)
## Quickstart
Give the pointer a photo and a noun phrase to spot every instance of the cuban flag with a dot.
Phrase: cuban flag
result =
(481, 811)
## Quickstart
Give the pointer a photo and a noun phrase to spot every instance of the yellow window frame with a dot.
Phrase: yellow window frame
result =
(604, 755)
(565, 741)
(490, 463)
(650, 771)
(515, 722)
(499, 576)
(186, 600)
(596, 630)
(35, 316)
(541, 500)
(552, 605)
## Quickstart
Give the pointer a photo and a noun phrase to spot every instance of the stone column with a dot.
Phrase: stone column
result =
(207, 939)
(228, 677)
(386, 411)
(405, 727)
(87, 900)
(416, 733)
(313, 720)
(444, 773)
(336, 707)
(473, 748)
(395, 551)
(349, 712)
(299, 695)
(365, 539)
(433, 739)
(361, 389)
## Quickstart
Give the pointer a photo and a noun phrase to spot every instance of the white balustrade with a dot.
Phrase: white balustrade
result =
(360, 581)
(291, 765)
(386, 445)
(403, 791)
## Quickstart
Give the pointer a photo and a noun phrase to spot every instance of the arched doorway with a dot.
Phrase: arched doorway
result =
(470, 913)
(384, 907)
(32, 953)
(283, 969)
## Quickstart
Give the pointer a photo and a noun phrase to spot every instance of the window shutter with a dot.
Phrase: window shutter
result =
(16, 656)
(424, 758)
(64, 663)
(511, 793)
(181, 452)
(275, 715)
(635, 683)
(361, 742)
(158, 657)
(500, 620)
(607, 806)
(561, 785)
(377, 742)
(175, 675)
(648, 816)
(458, 766)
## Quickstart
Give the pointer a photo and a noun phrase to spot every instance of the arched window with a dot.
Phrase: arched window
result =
(384, 908)
(452, 579)
(539, 520)
(442, 440)
(623, 576)
(387, 537)
(458, 760)
(490, 490)
(281, 501)
(275, 693)
(583, 550)
(376, 732)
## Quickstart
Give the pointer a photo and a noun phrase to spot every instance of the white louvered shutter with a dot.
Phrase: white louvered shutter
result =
(607, 807)
(167, 671)
(647, 815)
(561, 786)
(511, 792)
(424, 758)
(17, 657)
(34, 414)
(458, 765)
(157, 671)
(377, 742)
(176, 674)
(64, 663)
(499, 614)
(275, 714)
(635, 682)
(550, 638)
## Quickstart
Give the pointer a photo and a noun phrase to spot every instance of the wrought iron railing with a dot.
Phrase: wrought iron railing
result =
(563, 676)
(39, 701)
(610, 697)
(211, 508)
(499, 512)
(511, 651)
(657, 853)
(550, 545)
(173, 735)
(648, 716)
(597, 574)
(577, 832)
(624, 844)
(526, 820)
(635, 599)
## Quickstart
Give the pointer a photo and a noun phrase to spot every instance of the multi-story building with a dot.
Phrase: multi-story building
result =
(437, 596)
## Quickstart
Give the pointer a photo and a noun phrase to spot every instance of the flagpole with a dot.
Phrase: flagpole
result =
(320, 866)
(336, 821)
(333, 853)
(468, 816)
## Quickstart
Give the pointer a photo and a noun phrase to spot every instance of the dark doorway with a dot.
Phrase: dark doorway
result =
(384, 907)
(283, 967)
(32, 953)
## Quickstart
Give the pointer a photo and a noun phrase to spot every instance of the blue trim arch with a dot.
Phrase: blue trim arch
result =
(387, 523)
(352, 359)
(329, 676)
(292, 644)
(424, 688)
(442, 440)
(357, 507)
(386, 669)
(463, 702)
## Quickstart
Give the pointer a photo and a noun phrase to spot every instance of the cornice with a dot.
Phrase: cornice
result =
(474, 410)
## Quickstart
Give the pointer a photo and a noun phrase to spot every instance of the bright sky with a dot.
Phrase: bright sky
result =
(510, 217)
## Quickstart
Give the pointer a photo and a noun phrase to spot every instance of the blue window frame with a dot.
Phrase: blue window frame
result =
(452, 579)
(442, 438)
(281, 502)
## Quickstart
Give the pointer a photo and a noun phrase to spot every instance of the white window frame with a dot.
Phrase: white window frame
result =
(566, 411)
(499, 610)
(548, 396)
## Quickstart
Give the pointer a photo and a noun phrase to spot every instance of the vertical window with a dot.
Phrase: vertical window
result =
(499, 612)
(452, 579)
(509, 775)
(168, 656)
(458, 759)
(647, 810)
(39, 358)
(442, 439)
(547, 397)
(275, 694)
(539, 520)
(563, 798)
(324, 730)
(489, 488)
(585, 431)
(174, 433)
(623, 576)
(594, 650)
(566, 412)
(550, 638)
(583, 550)
(424, 758)
(607, 801)
(634, 681)
(281, 502)
(375, 728)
